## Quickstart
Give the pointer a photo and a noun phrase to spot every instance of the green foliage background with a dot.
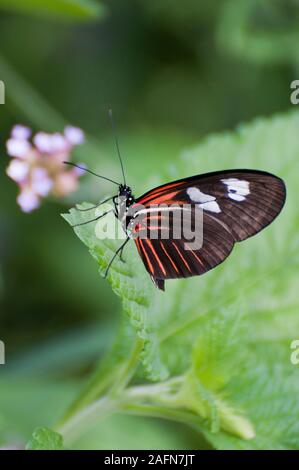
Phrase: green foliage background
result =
(212, 353)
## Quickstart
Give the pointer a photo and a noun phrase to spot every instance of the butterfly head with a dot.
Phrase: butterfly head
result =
(126, 192)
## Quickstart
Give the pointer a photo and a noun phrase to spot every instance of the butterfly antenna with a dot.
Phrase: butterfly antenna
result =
(91, 172)
(116, 143)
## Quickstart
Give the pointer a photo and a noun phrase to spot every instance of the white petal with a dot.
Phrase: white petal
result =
(74, 135)
(20, 132)
(27, 200)
(43, 142)
(41, 183)
(39, 173)
(59, 143)
(18, 170)
(18, 148)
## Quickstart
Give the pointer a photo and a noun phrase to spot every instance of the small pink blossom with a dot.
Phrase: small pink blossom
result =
(37, 164)
(18, 170)
(42, 141)
(74, 135)
(52, 143)
(18, 148)
(41, 183)
(20, 132)
(28, 200)
(59, 143)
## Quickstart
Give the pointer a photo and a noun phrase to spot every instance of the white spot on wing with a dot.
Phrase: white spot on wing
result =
(211, 206)
(236, 197)
(197, 196)
(206, 202)
(237, 189)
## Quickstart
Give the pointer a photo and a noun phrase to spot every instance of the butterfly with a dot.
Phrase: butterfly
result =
(233, 206)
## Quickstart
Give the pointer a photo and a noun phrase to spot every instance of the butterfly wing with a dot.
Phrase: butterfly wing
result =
(173, 258)
(236, 204)
(246, 201)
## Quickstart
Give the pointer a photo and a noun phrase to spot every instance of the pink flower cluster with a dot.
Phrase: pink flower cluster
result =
(37, 164)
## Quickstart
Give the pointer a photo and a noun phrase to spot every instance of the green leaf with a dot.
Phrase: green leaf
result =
(218, 341)
(129, 281)
(226, 332)
(45, 439)
(80, 10)
(267, 390)
(215, 356)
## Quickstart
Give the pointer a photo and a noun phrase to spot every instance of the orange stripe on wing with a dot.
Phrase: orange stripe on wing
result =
(149, 243)
(182, 257)
(159, 191)
(141, 249)
(158, 198)
(167, 186)
(169, 257)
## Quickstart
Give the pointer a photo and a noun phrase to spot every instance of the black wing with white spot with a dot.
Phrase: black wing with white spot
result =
(236, 204)
(245, 201)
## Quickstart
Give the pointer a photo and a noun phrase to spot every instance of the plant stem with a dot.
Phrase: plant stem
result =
(154, 390)
(97, 385)
(128, 369)
(163, 412)
(130, 401)
(123, 400)
(85, 419)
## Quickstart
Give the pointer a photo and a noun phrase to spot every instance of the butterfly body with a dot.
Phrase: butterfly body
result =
(122, 203)
(234, 205)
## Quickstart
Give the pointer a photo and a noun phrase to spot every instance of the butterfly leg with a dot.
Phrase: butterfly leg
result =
(119, 250)
(93, 220)
(96, 205)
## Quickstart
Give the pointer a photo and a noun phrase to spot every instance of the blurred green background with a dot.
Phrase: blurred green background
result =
(173, 72)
